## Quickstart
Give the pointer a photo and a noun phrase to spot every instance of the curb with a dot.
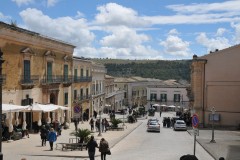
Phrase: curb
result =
(203, 146)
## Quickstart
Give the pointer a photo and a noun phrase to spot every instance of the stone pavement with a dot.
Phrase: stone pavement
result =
(227, 143)
(32, 146)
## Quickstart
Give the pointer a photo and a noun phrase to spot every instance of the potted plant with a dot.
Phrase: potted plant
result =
(83, 134)
(115, 122)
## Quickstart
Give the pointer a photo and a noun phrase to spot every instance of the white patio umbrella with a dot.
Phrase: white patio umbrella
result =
(12, 108)
(156, 105)
(171, 106)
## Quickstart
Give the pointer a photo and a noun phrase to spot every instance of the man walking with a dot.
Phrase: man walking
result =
(92, 145)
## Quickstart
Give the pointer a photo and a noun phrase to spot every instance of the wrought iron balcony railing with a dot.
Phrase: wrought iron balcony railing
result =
(77, 79)
(29, 80)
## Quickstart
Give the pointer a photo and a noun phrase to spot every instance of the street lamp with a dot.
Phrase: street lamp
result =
(1, 80)
(213, 112)
(100, 119)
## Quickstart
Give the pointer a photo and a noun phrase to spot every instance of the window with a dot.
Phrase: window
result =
(75, 74)
(81, 93)
(134, 93)
(163, 97)
(87, 73)
(27, 72)
(66, 98)
(49, 71)
(75, 94)
(65, 72)
(176, 97)
(81, 72)
(153, 97)
(87, 94)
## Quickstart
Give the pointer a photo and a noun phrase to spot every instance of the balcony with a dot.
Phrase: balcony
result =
(47, 80)
(77, 79)
(28, 82)
(82, 98)
(67, 81)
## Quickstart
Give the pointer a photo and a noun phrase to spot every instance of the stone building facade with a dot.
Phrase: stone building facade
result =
(36, 68)
(215, 87)
(81, 87)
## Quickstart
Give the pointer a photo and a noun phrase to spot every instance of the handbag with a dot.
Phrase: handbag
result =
(108, 152)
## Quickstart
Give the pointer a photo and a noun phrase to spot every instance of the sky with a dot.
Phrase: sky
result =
(131, 29)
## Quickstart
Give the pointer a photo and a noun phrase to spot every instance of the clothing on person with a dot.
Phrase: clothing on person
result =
(44, 134)
(188, 157)
(52, 137)
(92, 124)
(91, 146)
(103, 148)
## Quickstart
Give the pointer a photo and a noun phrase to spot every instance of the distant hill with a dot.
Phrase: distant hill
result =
(159, 69)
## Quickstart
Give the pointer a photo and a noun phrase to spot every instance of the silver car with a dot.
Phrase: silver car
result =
(153, 126)
(180, 125)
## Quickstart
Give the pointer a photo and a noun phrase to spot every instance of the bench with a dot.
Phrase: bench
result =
(116, 128)
(72, 146)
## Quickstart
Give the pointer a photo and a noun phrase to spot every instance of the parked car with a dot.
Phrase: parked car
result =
(180, 125)
(153, 126)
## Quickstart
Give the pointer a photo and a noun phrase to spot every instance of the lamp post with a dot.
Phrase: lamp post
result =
(1, 79)
(213, 112)
(100, 119)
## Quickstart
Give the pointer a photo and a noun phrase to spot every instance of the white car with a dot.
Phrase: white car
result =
(180, 125)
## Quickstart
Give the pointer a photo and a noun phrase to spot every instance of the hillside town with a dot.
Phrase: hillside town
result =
(42, 75)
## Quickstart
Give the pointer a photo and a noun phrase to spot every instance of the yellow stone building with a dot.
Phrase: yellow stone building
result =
(36, 69)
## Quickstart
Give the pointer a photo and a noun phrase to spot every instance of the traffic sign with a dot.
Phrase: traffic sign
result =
(195, 121)
(196, 131)
(77, 109)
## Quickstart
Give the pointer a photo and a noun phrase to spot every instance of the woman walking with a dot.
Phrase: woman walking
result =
(52, 137)
(103, 148)
(43, 134)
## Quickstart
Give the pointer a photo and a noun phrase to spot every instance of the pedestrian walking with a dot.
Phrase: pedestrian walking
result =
(52, 137)
(104, 125)
(95, 114)
(103, 148)
(76, 121)
(43, 135)
(160, 113)
(91, 146)
(92, 124)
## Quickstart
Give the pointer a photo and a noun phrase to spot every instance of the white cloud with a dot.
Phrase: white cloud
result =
(114, 14)
(4, 18)
(51, 3)
(23, 2)
(123, 37)
(173, 32)
(220, 31)
(175, 46)
(227, 6)
(62, 28)
(236, 37)
(203, 13)
(212, 43)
